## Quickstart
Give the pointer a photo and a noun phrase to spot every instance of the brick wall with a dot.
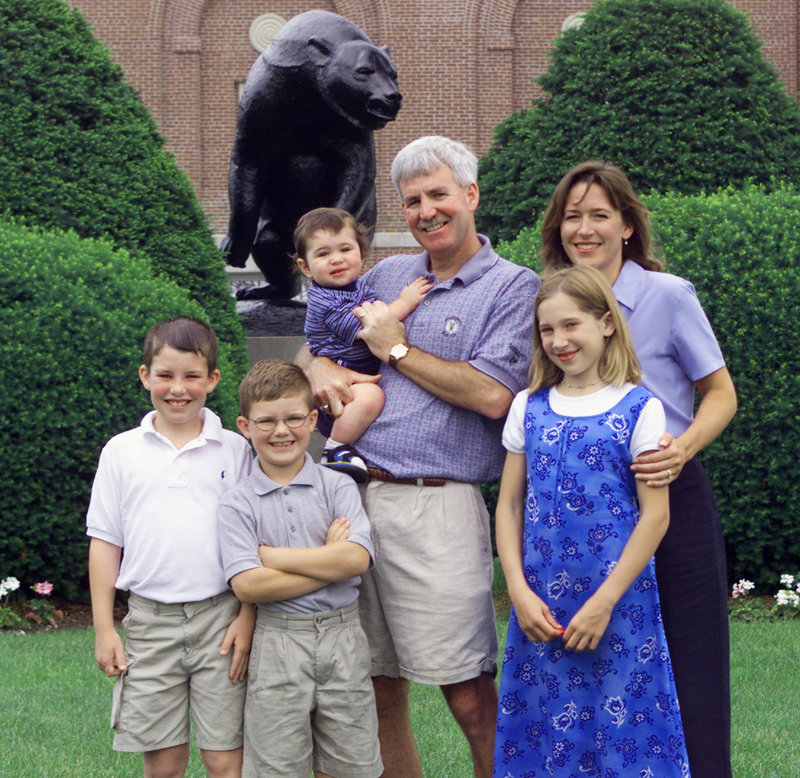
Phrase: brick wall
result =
(464, 65)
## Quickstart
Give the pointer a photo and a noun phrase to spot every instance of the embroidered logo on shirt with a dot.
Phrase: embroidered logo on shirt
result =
(222, 474)
(451, 326)
(516, 355)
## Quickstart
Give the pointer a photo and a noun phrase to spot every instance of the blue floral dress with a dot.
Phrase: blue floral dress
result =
(612, 712)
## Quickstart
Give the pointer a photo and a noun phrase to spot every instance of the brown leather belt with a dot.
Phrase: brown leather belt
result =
(384, 475)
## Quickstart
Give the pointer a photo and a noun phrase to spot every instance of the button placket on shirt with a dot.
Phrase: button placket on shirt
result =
(289, 509)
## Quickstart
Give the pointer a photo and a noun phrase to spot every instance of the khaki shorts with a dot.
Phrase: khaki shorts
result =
(168, 648)
(310, 702)
(426, 606)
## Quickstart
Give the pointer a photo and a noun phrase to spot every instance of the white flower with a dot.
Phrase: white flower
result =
(787, 580)
(784, 597)
(9, 585)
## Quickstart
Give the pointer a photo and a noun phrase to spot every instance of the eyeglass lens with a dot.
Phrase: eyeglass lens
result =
(292, 422)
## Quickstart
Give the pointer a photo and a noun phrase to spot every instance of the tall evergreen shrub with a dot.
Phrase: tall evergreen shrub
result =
(676, 92)
(741, 250)
(78, 150)
(72, 323)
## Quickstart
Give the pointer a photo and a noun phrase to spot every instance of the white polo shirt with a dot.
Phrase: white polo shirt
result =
(159, 504)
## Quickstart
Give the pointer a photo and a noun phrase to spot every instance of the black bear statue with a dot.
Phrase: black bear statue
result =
(310, 105)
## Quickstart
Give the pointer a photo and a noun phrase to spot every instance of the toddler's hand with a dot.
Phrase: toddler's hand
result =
(338, 531)
(414, 293)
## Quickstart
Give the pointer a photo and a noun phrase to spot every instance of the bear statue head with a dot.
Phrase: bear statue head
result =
(358, 81)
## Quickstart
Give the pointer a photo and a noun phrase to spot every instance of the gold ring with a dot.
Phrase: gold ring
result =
(669, 474)
(325, 408)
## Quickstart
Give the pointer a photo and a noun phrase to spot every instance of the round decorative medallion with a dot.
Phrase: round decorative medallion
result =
(572, 22)
(263, 30)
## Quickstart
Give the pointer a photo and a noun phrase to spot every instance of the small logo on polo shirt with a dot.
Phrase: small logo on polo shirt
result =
(451, 326)
(222, 474)
(516, 355)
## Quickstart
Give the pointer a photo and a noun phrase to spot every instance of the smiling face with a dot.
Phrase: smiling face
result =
(592, 230)
(572, 339)
(281, 451)
(178, 382)
(441, 216)
(333, 260)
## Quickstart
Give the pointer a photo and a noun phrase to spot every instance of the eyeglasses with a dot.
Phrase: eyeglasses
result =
(293, 421)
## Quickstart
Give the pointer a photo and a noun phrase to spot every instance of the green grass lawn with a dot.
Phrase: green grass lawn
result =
(54, 709)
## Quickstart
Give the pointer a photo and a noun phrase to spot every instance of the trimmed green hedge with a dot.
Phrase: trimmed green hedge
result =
(72, 326)
(676, 92)
(741, 250)
(78, 150)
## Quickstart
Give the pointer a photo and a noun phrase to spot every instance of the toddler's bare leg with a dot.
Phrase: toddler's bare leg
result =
(367, 403)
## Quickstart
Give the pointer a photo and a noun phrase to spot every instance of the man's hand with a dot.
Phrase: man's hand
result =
(331, 383)
(381, 329)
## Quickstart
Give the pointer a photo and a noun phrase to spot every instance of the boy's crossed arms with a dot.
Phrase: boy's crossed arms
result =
(292, 572)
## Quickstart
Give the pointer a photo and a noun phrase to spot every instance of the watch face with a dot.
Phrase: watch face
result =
(399, 351)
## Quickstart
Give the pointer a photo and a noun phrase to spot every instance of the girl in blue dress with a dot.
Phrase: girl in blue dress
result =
(586, 686)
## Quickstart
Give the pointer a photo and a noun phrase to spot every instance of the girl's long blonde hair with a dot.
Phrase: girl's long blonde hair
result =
(593, 295)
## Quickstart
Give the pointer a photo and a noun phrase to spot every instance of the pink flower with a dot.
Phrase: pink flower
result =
(44, 587)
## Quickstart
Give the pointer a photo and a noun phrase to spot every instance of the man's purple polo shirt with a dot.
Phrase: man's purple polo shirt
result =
(484, 316)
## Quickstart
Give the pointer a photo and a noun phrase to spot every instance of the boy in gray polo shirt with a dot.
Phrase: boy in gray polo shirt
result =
(294, 539)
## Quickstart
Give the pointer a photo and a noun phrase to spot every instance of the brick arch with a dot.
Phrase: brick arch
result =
(496, 21)
(494, 42)
(359, 12)
(184, 18)
(515, 36)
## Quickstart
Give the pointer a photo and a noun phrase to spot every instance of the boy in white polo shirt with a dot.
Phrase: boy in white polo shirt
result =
(294, 538)
(155, 496)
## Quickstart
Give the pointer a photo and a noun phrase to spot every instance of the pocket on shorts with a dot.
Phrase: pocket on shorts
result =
(480, 516)
(131, 621)
(358, 664)
(266, 659)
